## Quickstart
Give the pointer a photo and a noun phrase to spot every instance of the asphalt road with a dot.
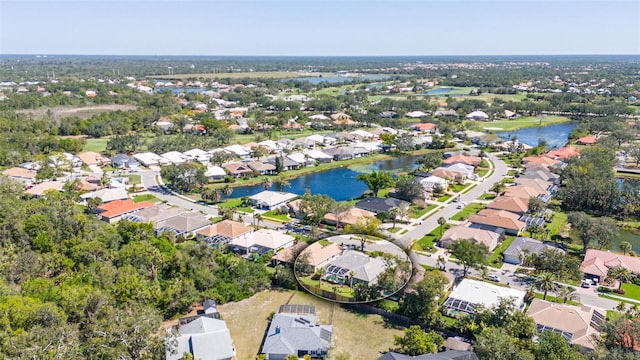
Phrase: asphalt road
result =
(148, 179)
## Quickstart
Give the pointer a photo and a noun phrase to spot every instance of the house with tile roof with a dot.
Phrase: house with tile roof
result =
(107, 195)
(463, 159)
(477, 236)
(424, 127)
(271, 200)
(115, 210)
(596, 263)
(516, 205)
(318, 255)
(523, 191)
(564, 153)
(155, 214)
(93, 158)
(579, 325)
(470, 293)
(587, 140)
(224, 231)
(262, 168)
(497, 220)
(23, 175)
(183, 224)
(352, 216)
(41, 188)
(297, 333)
(365, 269)
(524, 246)
(539, 160)
(238, 169)
(260, 242)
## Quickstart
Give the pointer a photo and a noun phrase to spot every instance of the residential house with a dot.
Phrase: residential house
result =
(478, 115)
(446, 113)
(542, 174)
(183, 224)
(175, 157)
(471, 293)
(295, 330)
(463, 159)
(238, 169)
(579, 325)
(477, 236)
(318, 255)
(93, 158)
(148, 158)
(538, 184)
(352, 216)
(564, 153)
(305, 143)
(260, 242)
(445, 355)
(117, 209)
(41, 188)
(107, 195)
(288, 255)
(362, 135)
(416, 114)
(319, 156)
(497, 220)
(23, 175)
(587, 140)
(539, 160)
(287, 164)
(121, 161)
(301, 159)
(340, 153)
(381, 205)
(223, 232)
(365, 269)
(262, 168)
(516, 205)
(238, 151)
(204, 338)
(454, 171)
(215, 173)
(596, 263)
(431, 181)
(155, 214)
(198, 155)
(523, 191)
(523, 247)
(271, 200)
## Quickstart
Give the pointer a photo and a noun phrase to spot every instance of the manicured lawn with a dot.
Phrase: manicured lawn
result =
(236, 203)
(343, 290)
(272, 215)
(487, 196)
(457, 187)
(393, 231)
(632, 291)
(416, 211)
(469, 188)
(557, 223)
(133, 179)
(145, 197)
(495, 258)
(482, 172)
(427, 243)
(555, 299)
(97, 145)
(472, 208)
(523, 122)
(444, 198)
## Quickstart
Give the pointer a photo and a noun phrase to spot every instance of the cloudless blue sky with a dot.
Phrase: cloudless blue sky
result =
(319, 27)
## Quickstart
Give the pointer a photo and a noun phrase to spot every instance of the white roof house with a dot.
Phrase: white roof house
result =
(271, 199)
(319, 117)
(270, 144)
(362, 134)
(317, 138)
(318, 155)
(261, 241)
(432, 181)
(300, 158)
(478, 115)
(369, 145)
(215, 172)
(198, 155)
(470, 293)
(239, 151)
(175, 157)
(416, 114)
(149, 158)
(467, 170)
(205, 338)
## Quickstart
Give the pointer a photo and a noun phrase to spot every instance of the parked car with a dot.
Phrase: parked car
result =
(586, 283)
(494, 277)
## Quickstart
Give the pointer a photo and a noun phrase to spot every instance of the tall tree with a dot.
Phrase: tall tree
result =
(441, 222)
(416, 342)
(546, 282)
(620, 273)
(625, 247)
(376, 181)
(469, 253)
(422, 304)
(281, 182)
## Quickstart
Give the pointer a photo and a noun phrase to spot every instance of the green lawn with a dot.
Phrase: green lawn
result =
(469, 188)
(557, 223)
(555, 299)
(472, 208)
(145, 197)
(457, 187)
(236, 203)
(272, 215)
(97, 145)
(495, 258)
(487, 196)
(427, 243)
(444, 198)
(394, 230)
(133, 179)
(521, 123)
(632, 291)
(416, 211)
(482, 172)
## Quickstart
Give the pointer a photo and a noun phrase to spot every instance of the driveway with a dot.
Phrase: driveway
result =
(148, 179)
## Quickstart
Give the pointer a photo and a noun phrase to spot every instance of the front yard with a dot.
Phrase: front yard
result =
(415, 211)
(496, 259)
(472, 208)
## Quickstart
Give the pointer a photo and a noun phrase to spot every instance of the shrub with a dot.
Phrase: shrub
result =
(636, 280)
(619, 291)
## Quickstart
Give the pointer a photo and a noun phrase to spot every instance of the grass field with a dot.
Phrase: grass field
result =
(145, 197)
(416, 211)
(520, 123)
(472, 208)
(97, 145)
(247, 321)
(632, 291)
(273, 216)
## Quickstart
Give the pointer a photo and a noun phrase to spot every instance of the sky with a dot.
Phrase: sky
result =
(319, 27)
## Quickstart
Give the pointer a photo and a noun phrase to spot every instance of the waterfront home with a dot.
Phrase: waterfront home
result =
(564, 153)
(477, 236)
(261, 242)
(537, 184)
(596, 263)
(522, 247)
(319, 156)
(478, 115)
(381, 205)
(271, 200)
(238, 169)
(497, 220)
(301, 159)
(523, 191)
(239, 151)
(579, 325)
(340, 153)
(430, 182)
(287, 164)
(539, 160)
(262, 168)
(352, 216)
(215, 173)
(462, 159)
(224, 231)
(470, 293)
(117, 209)
(295, 330)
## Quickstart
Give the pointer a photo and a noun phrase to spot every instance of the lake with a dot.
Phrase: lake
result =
(632, 236)
(338, 183)
(439, 91)
(555, 135)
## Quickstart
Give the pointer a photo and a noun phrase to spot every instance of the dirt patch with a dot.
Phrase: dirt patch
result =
(362, 335)
(84, 112)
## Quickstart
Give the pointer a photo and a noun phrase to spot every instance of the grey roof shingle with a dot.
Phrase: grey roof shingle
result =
(446, 355)
(289, 333)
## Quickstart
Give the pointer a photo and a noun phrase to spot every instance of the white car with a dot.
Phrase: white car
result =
(494, 277)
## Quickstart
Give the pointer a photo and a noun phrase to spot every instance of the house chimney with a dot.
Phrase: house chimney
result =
(277, 330)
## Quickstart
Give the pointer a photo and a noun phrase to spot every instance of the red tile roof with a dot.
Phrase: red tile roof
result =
(563, 153)
(462, 159)
(587, 140)
(598, 262)
(121, 207)
(424, 126)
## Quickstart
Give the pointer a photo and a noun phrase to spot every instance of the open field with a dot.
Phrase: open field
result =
(84, 112)
(239, 75)
(247, 321)
(520, 123)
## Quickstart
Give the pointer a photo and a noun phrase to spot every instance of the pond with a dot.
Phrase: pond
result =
(555, 135)
(439, 91)
(338, 183)
(631, 236)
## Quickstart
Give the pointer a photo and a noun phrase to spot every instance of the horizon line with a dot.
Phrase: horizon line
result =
(326, 56)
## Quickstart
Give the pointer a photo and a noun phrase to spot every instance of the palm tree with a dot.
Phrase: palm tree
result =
(621, 307)
(257, 218)
(321, 272)
(281, 183)
(498, 188)
(351, 275)
(441, 222)
(546, 283)
(393, 212)
(266, 183)
(567, 293)
(622, 274)
(625, 246)
(227, 190)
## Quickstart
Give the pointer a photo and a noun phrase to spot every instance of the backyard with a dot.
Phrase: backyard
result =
(250, 317)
